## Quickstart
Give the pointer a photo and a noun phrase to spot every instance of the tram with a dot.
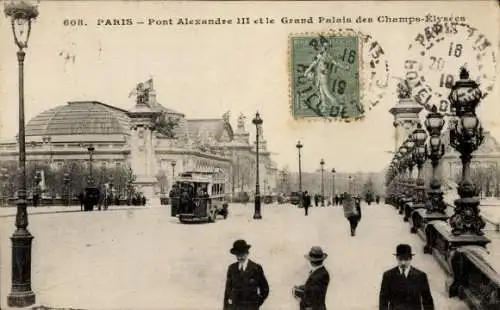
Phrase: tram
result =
(199, 197)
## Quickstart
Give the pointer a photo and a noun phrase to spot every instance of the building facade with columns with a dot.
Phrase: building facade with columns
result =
(135, 138)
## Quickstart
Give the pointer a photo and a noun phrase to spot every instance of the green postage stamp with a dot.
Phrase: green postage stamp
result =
(325, 77)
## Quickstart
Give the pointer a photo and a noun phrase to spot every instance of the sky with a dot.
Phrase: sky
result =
(204, 71)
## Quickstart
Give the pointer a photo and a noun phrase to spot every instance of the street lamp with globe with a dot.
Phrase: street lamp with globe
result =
(434, 123)
(333, 185)
(299, 147)
(21, 14)
(466, 135)
(67, 192)
(322, 164)
(257, 121)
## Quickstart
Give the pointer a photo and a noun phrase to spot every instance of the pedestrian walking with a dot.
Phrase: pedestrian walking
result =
(404, 287)
(337, 200)
(307, 202)
(246, 284)
(357, 203)
(350, 212)
(377, 199)
(312, 294)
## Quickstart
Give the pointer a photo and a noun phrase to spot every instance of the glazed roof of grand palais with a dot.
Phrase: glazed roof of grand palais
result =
(94, 122)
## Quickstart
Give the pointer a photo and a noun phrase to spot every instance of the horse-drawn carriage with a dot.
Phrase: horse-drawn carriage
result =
(199, 197)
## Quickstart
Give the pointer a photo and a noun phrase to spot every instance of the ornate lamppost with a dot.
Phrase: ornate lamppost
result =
(90, 180)
(403, 178)
(173, 171)
(435, 150)
(322, 164)
(67, 181)
(92, 192)
(299, 146)
(333, 185)
(349, 185)
(21, 15)
(257, 121)
(466, 135)
(418, 157)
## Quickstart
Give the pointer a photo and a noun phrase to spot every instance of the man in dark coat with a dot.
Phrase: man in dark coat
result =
(246, 284)
(405, 287)
(313, 293)
(306, 200)
(351, 211)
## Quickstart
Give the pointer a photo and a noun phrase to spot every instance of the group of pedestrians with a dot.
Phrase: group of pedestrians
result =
(403, 287)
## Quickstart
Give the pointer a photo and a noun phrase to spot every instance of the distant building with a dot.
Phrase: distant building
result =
(122, 137)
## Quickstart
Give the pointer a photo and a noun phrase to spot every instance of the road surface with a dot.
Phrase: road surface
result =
(145, 259)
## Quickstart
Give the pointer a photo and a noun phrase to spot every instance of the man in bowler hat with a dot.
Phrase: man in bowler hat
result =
(313, 292)
(246, 284)
(405, 287)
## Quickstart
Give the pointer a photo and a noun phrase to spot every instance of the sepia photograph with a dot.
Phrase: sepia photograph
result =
(246, 155)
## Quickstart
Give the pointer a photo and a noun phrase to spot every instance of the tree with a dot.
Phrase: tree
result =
(166, 125)
(285, 178)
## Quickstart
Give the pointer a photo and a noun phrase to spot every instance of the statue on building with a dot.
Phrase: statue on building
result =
(404, 90)
(241, 123)
(142, 91)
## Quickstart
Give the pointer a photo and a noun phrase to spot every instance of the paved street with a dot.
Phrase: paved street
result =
(145, 259)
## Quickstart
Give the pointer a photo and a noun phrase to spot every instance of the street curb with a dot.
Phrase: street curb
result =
(73, 211)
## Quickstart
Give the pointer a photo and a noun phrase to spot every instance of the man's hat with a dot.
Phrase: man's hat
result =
(404, 251)
(240, 247)
(316, 254)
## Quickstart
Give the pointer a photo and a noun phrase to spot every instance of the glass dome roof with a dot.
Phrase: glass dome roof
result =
(80, 118)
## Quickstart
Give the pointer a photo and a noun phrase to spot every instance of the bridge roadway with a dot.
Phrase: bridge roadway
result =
(145, 259)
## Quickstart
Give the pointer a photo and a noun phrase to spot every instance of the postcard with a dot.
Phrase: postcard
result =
(196, 155)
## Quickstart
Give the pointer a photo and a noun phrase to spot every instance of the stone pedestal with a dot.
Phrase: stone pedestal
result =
(146, 185)
(143, 117)
(443, 243)
(421, 217)
(406, 118)
(402, 202)
(410, 208)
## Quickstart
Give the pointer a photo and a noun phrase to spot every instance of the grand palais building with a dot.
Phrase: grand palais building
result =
(129, 138)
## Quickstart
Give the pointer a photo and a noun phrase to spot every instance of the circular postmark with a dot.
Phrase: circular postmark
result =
(436, 55)
(336, 75)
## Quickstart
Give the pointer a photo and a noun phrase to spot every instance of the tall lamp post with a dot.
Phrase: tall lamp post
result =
(67, 194)
(322, 163)
(349, 186)
(21, 15)
(466, 135)
(257, 121)
(173, 171)
(333, 185)
(91, 150)
(435, 150)
(299, 146)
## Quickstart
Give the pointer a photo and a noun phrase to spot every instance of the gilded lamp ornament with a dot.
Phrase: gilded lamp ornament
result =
(466, 135)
